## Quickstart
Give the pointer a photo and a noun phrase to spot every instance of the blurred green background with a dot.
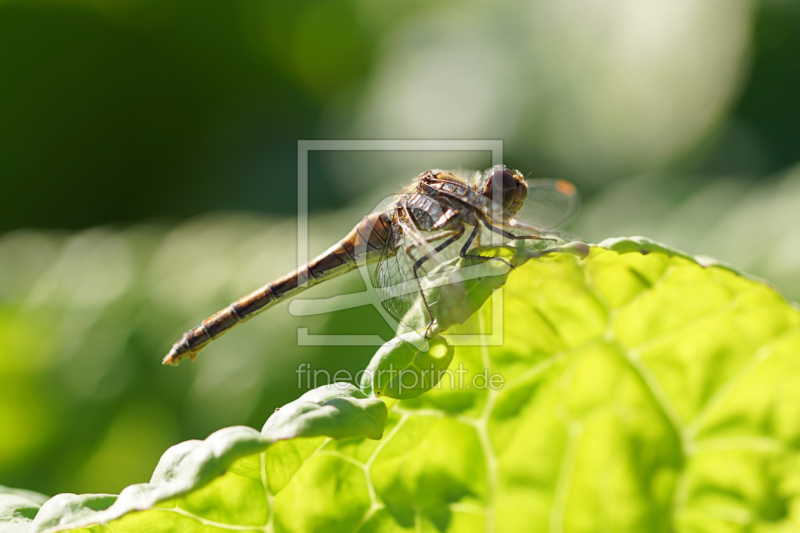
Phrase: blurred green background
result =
(148, 162)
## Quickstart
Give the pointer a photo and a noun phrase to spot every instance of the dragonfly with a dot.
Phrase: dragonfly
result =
(440, 216)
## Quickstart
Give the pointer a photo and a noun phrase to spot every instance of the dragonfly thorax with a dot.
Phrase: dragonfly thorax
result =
(435, 212)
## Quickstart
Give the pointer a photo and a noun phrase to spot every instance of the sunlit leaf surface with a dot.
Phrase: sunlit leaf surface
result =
(634, 390)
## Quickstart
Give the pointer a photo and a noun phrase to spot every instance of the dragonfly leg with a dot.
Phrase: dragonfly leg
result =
(450, 237)
(509, 235)
(463, 253)
(439, 236)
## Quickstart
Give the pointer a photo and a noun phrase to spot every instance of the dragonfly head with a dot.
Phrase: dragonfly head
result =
(508, 186)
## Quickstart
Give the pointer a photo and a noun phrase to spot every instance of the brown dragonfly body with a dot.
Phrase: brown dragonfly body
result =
(367, 239)
(439, 207)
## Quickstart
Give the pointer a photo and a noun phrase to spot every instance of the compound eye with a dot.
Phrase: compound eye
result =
(503, 178)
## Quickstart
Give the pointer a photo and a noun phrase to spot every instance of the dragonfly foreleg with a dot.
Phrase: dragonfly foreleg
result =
(509, 235)
(463, 253)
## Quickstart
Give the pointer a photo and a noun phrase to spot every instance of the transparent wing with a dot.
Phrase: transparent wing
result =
(392, 273)
(399, 286)
(550, 204)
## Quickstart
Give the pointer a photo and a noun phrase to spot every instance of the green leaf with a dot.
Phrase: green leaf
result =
(633, 389)
(18, 508)
(219, 480)
(338, 410)
(402, 371)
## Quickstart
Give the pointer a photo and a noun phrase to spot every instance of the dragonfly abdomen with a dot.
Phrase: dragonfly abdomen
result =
(361, 245)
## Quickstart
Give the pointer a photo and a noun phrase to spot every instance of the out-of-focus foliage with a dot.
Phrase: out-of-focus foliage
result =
(640, 391)
(121, 111)
(120, 120)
